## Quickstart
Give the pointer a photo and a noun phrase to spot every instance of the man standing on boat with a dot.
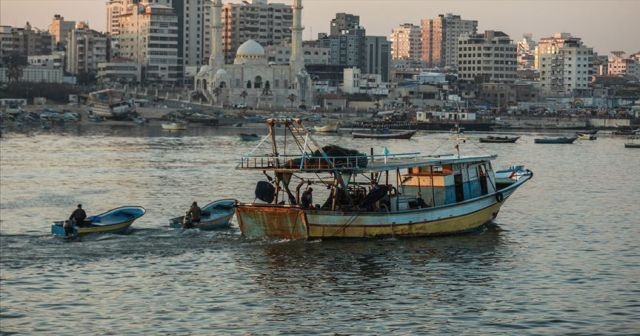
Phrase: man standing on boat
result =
(307, 198)
(193, 216)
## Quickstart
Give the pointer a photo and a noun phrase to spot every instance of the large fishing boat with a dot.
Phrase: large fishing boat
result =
(365, 195)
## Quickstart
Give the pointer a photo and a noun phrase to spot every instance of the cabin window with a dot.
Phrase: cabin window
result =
(459, 187)
(482, 177)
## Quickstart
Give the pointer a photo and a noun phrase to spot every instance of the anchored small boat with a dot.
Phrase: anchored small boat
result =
(555, 140)
(249, 137)
(498, 139)
(116, 220)
(511, 175)
(174, 126)
(330, 128)
(383, 134)
(405, 194)
(586, 136)
(634, 142)
(215, 215)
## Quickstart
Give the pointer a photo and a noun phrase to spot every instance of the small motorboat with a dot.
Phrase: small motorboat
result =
(215, 215)
(498, 139)
(586, 136)
(511, 175)
(174, 126)
(634, 142)
(331, 128)
(555, 140)
(116, 220)
(384, 134)
(249, 137)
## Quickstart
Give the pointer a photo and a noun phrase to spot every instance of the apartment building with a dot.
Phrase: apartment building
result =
(149, 36)
(406, 42)
(565, 64)
(525, 49)
(620, 65)
(25, 41)
(311, 53)
(377, 56)
(266, 23)
(59, 29)
(488, 57)
(85, 49)
(440, 39)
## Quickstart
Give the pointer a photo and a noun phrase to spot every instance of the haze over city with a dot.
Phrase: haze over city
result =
(604, 25)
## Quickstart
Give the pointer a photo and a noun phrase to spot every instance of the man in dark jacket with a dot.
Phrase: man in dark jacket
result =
(193, 216)
(77, 218)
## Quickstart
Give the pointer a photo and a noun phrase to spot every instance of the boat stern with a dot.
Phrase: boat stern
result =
(269, 221)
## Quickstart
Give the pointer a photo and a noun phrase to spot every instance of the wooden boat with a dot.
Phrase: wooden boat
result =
(384, 134)
(401, 195)
(510, 175)
(497, 139)
(116, 220)
(174, 126)
(586, 136)
(556, 140)
(215, 215)
(330, 128)
(249, 137)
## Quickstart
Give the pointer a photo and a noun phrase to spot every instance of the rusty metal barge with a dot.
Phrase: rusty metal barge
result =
(364, 195)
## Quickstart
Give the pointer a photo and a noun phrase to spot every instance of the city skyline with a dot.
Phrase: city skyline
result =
(614, 29)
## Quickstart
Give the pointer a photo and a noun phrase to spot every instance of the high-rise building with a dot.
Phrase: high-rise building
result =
(565, 64)
(406, 42)
(194, 27)
(525, 48)
(440, 39)
(149, 36)
(489, 57)
(377, 58)
(620, 65)
(115, 8)
(263, 22)
(85, 49)
(342, 22)
(59, 28)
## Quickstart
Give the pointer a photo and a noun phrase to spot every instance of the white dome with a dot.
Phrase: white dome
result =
(204, 69)
(250, 48)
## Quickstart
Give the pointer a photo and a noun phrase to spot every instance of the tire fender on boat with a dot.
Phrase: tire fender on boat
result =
(499, 197)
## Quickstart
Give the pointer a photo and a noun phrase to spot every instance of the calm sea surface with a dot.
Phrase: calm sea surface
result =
(563, 256)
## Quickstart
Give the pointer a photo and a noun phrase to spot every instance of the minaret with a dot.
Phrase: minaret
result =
(296, 61)
(216, 60)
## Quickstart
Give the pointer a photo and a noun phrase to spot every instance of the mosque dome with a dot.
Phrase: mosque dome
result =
(204, 69)
(250, 52)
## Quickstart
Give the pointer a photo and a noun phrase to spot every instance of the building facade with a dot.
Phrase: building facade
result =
(149, 36)
(406, 42)
(59, 30)
(565, 65)
(356, 82)
(119, 71)
(312, 54)
(490, 57)
(25, 41)
(377, 57)
(85, 49)
(525, 48)
(342, 22)
(266, 23)
(440, 39)
(620, 65)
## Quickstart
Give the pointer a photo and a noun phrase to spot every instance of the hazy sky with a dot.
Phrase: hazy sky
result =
(605, 25)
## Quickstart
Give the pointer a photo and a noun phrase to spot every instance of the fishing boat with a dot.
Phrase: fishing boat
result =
(555, 140)
(174, 126)
(383, 134)
(498, 139)
(249, 137)
(117, 220)
(586, 136)
(330, 128)
(634, 142)
(510, 175)
(215, 215)
(404, 194)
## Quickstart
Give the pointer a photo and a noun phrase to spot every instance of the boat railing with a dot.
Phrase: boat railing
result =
(309, 162)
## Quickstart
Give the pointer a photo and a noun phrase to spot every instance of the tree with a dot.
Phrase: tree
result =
(15, 65)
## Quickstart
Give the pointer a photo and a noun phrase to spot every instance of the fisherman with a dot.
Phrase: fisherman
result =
(193, 216)
(307, 198)
(76, 219)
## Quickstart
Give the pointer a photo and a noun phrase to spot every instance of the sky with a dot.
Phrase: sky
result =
(605, 25)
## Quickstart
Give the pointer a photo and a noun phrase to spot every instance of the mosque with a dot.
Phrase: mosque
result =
(251, 80)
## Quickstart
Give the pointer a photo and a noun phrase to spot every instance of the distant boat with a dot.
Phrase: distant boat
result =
(331, 128)
(215, 215)
(384, 134)
(634, 142)
(511, 175)
(626, 131)
(497, 139)
(249, 137)
(556, 140)
(113, 221)
(586, 136)
(174, 126)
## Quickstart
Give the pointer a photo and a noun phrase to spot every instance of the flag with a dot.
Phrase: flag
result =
(385, 151)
